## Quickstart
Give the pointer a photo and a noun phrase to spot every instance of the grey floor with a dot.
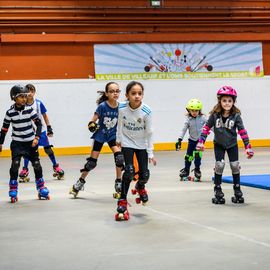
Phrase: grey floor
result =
(179, 229)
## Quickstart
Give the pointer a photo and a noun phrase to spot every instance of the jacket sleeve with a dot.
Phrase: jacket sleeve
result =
(185, 128)
(242, 131)
(149, 135)
(119, 129)
(207, 128)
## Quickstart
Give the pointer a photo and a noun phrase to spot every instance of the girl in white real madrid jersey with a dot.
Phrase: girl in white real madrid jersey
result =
(135, 137)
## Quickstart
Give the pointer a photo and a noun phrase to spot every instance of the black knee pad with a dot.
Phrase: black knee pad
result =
(36, 165)
(119, 159)
(129, 173)
(15, 165)
(89, 165)
(144, 177)
(48, 150)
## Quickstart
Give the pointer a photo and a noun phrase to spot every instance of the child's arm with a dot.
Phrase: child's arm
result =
(182, 134)
(205, 132)
(4, 130)
(47, 122)
(119, 129)
(244, 136)
(149, 134)
(92, 125)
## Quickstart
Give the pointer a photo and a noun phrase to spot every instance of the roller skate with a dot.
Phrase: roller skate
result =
(58, 172)
(13, 191)
(219, 196)
(184, 175)
(143, 196)
(43, 192)
(238, 195)
(117, 186)
(23, 176)
(197, 175)
(79, 185)
(122, 210)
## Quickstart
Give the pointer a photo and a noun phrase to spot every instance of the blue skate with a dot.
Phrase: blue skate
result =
(13, 190)
(43, 192)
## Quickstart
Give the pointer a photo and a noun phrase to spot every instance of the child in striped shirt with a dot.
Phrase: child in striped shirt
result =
(24, 140)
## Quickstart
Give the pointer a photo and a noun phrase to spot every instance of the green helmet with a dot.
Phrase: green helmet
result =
(194, 104)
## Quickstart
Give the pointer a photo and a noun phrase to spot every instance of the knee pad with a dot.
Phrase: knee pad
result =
(119, 159)
(129, 173)
(89, 165)
(36, 165)
(235, 167)
(144, 177)
(188, 158)
(15, 165)
(48, 150)
(219, 167)
(197, 154)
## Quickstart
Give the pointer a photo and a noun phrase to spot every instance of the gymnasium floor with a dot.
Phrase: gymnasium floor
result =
(179, 229)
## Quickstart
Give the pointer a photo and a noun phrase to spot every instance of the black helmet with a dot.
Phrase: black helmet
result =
(17, 90)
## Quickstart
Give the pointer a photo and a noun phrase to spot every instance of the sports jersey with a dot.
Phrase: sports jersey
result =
(107, 121)
(134, 128)
(39, 107)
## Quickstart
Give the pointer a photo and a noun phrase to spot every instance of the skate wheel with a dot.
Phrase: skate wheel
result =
(14, 199)
(116, 195)
(138, 200)
(134, 191)
(190, 178)
(55, 174)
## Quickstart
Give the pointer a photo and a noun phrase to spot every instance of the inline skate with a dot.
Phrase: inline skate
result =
(184, 175)
(238, 194)
(117, 187)
(219, 196)
(13, 191)
(122, 210)
(23, 176)
(143, 196)
(58, 172)
(79, 185)
(43, 192)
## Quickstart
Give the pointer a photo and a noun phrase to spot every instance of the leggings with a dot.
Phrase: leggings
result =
(233, 156)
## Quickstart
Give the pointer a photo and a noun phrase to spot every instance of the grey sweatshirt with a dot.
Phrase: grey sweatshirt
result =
(194, 126)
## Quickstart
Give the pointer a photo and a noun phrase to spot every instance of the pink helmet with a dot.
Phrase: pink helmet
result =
(227, 91)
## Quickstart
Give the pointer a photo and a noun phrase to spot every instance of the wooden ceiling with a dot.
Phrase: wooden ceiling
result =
(137, 16)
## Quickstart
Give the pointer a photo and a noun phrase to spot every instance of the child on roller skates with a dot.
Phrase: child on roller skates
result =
(225, 118)
(134, 136)
(24, 140)
(104, 131)
(41, 110)
(194, 123)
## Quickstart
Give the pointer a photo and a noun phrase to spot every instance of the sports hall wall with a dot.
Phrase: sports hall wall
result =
(50, 43)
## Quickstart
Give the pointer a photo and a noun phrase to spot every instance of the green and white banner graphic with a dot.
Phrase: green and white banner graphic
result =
(138, 61)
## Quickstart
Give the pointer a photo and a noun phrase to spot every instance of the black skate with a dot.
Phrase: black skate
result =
(197, 175)
(117, 187)
(238, 195)
(143, 196)
(79, 185)
(219, 196)
(184, 175)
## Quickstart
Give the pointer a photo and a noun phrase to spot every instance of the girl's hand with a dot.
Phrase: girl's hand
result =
(35, 142)
(250, 153)
(153, 161)
(118, 144)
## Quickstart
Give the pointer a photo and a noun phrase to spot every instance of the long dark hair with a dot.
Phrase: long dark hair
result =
(218, 108)
(131, 84)
(102, 93)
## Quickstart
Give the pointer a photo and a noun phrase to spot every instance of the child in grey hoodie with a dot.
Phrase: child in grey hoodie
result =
(194, 123)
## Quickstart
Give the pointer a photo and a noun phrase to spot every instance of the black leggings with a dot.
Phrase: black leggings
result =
(142, 158)
(233, 156)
